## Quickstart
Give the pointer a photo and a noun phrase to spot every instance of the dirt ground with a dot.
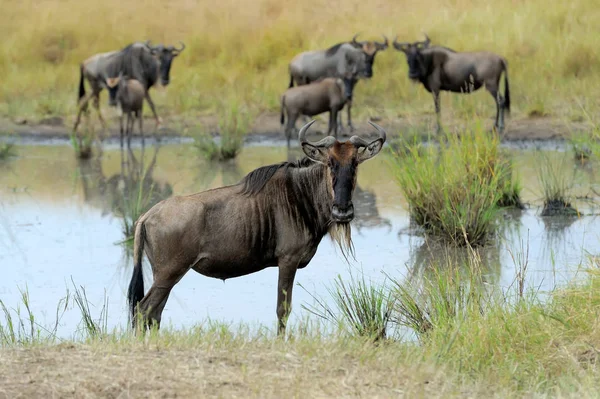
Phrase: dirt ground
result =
(80, 371)
(267, 126)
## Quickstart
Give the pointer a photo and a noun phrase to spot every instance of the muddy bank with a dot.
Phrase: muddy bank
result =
(267, 126)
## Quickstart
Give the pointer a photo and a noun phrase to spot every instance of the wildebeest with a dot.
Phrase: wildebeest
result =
(440, 68)
(328, 94)
(129, 95)
(310, 66)
(138, 60)
(275, 216)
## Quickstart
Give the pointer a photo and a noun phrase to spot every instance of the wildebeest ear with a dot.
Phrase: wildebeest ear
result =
(370, 150)
(317, 154)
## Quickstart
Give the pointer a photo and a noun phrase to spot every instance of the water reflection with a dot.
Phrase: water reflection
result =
(431, 255)
(125, 194)
(209, 171)
(367, 214)
(76, 210)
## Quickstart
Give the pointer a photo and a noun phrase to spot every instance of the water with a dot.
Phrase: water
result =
(60, 224)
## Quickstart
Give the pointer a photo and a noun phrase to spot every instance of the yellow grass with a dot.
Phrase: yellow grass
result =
(243, 47)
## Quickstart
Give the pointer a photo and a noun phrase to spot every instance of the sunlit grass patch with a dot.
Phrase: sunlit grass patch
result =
(552, 52)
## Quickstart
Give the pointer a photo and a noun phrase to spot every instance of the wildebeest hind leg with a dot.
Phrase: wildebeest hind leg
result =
(82, 107)
(349, 108)
(153, 303)
(499, 100)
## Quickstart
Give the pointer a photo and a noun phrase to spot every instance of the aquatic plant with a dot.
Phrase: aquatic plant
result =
(556, 176)
(364, 308)
(233, 124)
(7, 150)
(82, 144)
(509, 185)
(442, 294)
(453, 190)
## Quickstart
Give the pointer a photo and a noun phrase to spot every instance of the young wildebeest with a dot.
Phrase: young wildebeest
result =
(139, 60)
(275, 216)
(328, 94)
(311, 66)
(129, 95)
(440, 68)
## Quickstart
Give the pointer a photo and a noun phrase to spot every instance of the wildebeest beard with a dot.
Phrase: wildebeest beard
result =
(341, 234)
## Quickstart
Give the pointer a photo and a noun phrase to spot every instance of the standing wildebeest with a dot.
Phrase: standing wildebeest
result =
(310, 66)
(139, 60)
(129, 95)
(275, 216)
(440, 68)
(328, 94)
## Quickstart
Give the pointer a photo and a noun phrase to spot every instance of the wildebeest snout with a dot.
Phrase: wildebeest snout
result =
(343, 212)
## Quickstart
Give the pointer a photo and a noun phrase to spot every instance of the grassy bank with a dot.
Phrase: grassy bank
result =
(244, 48)
(479, 343)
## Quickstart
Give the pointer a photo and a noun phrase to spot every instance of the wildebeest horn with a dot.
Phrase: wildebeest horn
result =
(399, 46)
(326, 142)
(360, 142)
(179, 50)
(427, 40)
(385, 42)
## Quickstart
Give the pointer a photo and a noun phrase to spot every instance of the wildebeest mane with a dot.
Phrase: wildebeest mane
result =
(443, 48)
(333, 49)
(256, 180)
(136, 62)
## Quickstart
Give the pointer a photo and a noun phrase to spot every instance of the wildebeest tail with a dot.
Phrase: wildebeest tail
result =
(81, 85)
(282, 117)
(135, 293)
(506, 87)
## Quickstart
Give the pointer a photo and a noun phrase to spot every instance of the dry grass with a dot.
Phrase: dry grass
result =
(245, 46)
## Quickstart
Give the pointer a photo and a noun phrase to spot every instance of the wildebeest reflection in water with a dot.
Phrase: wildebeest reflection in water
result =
(126, 194)
(230, 172)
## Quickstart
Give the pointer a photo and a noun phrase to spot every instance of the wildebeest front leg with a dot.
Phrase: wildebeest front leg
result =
(287, 273)
(147, 96)
(121, 128)
(130, 121)
(333, 123)
(140, 122)
(438, 116)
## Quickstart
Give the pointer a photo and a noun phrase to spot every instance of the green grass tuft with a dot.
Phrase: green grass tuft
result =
(454, 190)
(7, 150)
(364, 308)
(556, 176)
(234, 123)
